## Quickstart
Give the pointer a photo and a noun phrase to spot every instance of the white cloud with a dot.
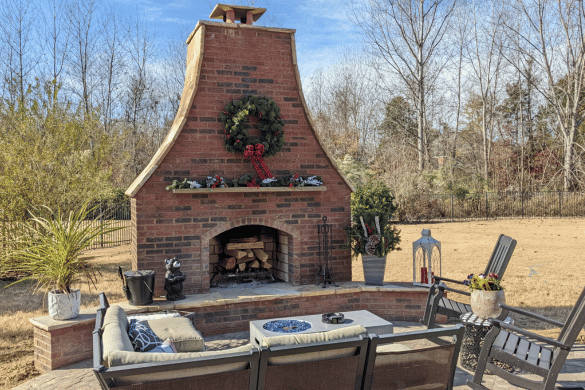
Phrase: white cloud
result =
(181, 4)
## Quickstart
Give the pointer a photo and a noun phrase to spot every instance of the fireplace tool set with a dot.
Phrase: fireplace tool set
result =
(324, 275)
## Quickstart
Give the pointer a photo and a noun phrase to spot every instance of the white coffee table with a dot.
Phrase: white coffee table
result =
(371, 322)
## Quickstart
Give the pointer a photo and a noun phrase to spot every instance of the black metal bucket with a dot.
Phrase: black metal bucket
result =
(138, 286)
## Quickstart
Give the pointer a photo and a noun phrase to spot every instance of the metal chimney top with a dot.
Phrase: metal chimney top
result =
(231, 13)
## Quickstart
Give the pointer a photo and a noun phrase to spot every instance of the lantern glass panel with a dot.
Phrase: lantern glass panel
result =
(426, 258)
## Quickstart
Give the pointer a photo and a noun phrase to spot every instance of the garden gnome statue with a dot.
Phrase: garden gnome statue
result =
(174, 279)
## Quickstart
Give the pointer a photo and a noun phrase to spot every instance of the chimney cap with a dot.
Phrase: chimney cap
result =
(240, 12)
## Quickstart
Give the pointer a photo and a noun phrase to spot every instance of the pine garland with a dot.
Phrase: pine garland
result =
(247, 180)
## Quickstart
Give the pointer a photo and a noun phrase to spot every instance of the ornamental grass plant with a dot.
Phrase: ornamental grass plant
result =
(51, 247)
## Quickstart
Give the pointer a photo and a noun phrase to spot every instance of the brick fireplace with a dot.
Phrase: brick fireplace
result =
(227, 61)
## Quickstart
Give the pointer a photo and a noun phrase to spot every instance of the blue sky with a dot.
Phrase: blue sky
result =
(323, 29)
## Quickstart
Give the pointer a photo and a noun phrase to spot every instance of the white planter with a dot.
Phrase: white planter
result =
(484, 304)
(374, 269)
(64, 306)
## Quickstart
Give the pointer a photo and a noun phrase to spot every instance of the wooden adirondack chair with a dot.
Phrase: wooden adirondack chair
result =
(525, 350)
(437, 303)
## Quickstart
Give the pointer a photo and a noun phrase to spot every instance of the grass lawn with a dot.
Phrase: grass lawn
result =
(543, 276)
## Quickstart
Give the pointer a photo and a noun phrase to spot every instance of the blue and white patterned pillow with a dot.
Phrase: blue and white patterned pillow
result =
(142, 337)
(166, 347)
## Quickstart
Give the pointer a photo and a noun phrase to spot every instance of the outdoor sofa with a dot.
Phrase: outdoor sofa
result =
(345, 358)
(116, 365)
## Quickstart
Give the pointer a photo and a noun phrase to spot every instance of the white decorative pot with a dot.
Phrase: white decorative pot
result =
(374, 269)
(63, 306)
(484, 304)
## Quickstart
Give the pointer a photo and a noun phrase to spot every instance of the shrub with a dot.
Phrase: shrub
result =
(373, 197)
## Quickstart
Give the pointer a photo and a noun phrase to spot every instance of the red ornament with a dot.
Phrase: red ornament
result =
(249, 152)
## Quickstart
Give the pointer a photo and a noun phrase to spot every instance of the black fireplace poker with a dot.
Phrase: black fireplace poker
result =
(324, 275)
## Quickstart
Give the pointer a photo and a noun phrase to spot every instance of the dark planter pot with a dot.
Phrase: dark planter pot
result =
(374, 268)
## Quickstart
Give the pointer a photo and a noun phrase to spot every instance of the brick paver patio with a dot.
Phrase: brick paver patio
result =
(81, 377)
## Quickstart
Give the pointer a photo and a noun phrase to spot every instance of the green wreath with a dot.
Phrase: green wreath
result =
(270, 124)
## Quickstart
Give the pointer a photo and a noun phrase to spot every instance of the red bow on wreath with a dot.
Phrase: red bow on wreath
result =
(254, 153)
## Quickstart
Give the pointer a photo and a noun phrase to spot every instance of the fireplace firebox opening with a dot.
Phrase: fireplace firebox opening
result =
(248, 253)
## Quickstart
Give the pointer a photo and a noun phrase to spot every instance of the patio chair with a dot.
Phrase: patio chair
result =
(391, 365)
(333, 364)
(437, 303)
(528, 351)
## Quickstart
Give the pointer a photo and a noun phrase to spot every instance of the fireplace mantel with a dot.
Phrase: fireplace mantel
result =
(249, 189)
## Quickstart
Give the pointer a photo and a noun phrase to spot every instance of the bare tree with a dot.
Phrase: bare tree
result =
(347, 106)
(456, 82)
(21, 53)
(83, 60)
(112, 67)
(486, 60)
(406, 36)
(174, 65)
(551, 35)
(140, 105)
(56, 47)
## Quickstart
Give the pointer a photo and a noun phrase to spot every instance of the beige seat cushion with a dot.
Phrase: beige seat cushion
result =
(122, 358)
(115, 333)
(310, 338)
(393, 347)
(180, 330)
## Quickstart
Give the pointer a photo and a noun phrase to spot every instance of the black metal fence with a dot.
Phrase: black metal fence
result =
(119, 215)
(491, 205)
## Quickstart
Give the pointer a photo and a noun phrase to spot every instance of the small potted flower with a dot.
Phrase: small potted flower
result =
(373, 237)
(486, 294)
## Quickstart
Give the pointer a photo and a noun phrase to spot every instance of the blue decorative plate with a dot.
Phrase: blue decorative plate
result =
(287, 326)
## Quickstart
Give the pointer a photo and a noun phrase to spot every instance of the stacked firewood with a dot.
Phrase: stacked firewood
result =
(244, 254)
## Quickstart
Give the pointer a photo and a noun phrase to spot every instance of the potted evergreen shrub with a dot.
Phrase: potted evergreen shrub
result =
(51, 253)
(371, 235)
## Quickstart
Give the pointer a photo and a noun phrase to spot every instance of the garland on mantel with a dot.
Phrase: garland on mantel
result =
(246, 180)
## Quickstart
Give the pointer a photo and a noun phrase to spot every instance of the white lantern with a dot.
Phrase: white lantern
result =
(426, 259)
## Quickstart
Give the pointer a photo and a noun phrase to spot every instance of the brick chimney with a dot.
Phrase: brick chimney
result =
(225, 62)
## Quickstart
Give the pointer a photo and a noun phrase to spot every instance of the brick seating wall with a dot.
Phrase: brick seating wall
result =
(65, 345)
